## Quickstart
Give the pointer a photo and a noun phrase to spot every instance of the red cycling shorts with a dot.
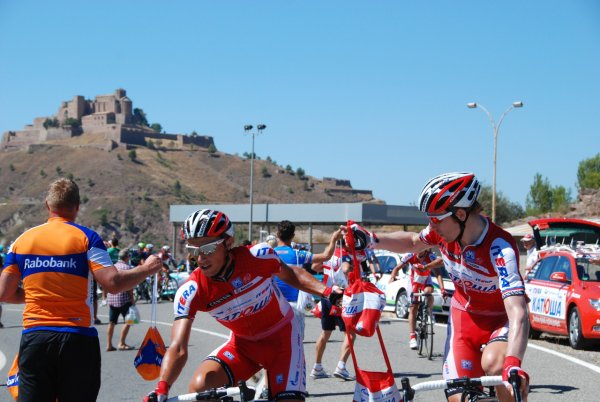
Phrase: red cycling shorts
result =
(467, 336)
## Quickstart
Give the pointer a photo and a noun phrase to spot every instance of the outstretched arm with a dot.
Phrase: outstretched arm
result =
(301, 279)
(328, 252)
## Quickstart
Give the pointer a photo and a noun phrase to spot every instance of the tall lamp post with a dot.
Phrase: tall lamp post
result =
(248, 130)
(496, 130)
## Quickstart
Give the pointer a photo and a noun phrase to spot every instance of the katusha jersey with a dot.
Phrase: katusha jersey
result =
(55, 261)
(249, 303)
(483, 273)
(420, 276)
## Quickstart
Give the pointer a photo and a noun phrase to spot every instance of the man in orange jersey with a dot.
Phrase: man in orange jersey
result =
(57, 262)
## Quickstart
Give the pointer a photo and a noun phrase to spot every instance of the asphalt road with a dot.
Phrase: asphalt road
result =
(553, 376)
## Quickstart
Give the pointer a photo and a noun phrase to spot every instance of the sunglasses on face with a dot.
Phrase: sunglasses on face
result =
(438, 218)
(205, 249)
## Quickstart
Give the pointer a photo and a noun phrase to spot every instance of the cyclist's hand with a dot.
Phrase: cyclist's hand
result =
(334, 294)
(418, 267)
(160, 394)
(445, 294)
(512, 363)
(362, 237)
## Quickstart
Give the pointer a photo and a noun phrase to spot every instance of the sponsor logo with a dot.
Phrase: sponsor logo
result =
(471, 285)
(466, 364)
(184, 298)
(470, 255)
(229, 355)
(237, 283)
(501, 266)
(247, 311)
(547, 306)
(49, 263)
(295, 380)
(553, 322)
(12, 381)
(219, 300)
(279, 379)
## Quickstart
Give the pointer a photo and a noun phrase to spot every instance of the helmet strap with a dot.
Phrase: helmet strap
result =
(461, 224)
(226, 270)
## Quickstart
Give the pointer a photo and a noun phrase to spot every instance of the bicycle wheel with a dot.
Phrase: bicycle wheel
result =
(429, 331)
(421, 329)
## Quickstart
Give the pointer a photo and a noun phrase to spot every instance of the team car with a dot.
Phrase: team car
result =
(397, 293)
(564, 284)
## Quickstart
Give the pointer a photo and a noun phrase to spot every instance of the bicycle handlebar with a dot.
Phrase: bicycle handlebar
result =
(514, 380)
(246, 394)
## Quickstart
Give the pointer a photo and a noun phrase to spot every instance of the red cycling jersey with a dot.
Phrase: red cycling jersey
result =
(484, 273)
(419, 275)
(248, 303)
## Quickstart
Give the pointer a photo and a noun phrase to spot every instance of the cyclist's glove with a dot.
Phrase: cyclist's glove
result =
(160, 394)
(362, 237)
(512, 363)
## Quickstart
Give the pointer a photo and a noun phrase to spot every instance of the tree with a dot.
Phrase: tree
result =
(506, 211)
(300, 173)
(588, 173)
(211, 149)
(132, 155)
(51, 123)
(139, 117)
(193, 134)
(177, 188)
(539, 199)
(543, 197)
(156, 127)
(265, 172)
(71, 121)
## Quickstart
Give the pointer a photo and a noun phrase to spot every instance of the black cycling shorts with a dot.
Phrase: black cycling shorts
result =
(58, 366)
(329, 322)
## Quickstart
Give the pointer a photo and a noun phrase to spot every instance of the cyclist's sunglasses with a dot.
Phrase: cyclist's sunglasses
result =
(439, 218)
(206, 249)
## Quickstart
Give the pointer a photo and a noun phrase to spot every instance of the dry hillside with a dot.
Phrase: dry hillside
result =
(131, 198)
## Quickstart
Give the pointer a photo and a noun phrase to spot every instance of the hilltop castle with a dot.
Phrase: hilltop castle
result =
(109, 120)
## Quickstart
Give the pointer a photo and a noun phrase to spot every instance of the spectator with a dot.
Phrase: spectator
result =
(271, 241)
(532, 254)
(59, 354)
(118, 304)
(247, 243)
(286, 231)
(113, 250)
(335, 273)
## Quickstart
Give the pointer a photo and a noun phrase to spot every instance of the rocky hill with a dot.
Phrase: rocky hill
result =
(130, 196)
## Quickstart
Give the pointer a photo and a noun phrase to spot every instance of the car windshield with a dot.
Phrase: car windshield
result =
(586, 271)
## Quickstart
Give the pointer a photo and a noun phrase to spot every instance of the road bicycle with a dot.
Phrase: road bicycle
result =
(226, 394)
(424, 326)
(473, 389)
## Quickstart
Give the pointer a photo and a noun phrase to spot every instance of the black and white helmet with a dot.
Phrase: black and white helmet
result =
(207, 223)
(447, 191)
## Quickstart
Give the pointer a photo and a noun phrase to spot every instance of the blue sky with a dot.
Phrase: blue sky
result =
(370, 91)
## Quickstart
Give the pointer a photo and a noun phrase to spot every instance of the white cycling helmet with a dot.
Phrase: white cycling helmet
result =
(447, 191)
(207, 223)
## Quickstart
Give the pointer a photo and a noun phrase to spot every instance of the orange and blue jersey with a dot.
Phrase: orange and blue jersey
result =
(55, 262)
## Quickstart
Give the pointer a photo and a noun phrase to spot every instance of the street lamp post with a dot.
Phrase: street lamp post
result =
(496, 130)
(248, 129)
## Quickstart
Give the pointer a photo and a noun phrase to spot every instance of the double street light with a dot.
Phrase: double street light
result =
(496, 129)
(248, 130)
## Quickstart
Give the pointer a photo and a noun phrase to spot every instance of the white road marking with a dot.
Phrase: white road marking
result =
(2, 360)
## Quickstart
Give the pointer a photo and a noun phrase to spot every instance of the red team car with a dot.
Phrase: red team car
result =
(564, 284)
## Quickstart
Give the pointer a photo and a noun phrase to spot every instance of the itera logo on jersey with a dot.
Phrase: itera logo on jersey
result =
(50, 263)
